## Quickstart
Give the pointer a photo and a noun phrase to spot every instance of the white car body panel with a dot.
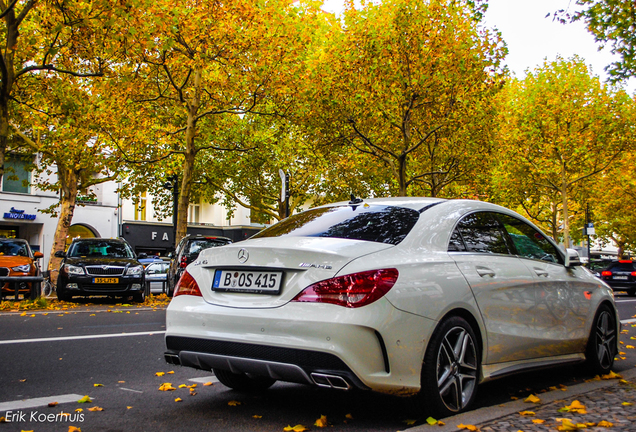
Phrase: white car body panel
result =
(384, 343)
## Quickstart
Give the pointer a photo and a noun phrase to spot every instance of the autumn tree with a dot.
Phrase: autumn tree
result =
(407, 84)
(200, 61)
(66, 130)
(612, 23)
(68, 38)
(560, 128)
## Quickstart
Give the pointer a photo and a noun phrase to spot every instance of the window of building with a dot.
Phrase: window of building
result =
(17, 175)
(140, 207)
(193, 213)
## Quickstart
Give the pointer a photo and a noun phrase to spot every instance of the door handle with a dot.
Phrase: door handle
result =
(541, 273)
(485, 271)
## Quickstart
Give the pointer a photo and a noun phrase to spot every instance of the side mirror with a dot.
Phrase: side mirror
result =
(572, 258)
(37, 255)
(60, 254)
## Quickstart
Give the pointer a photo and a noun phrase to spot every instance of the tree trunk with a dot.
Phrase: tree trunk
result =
(68, 195)
(193, 105)
(566, 222)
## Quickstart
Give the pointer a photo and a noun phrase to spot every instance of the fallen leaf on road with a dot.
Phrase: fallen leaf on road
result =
(532, 399)
(52, 404)
(527, 413)
(469, 427)
(177, 400)
(96, 408)
(431, 421)
(166, 387)
(160, 373)
(321, 422)
(79, 410)
(605, 424)
(209, 383)
(74, 429)
(233, 403)
(85, 399)
(538, 421)
(256, 416)
(297, 428)
(98, 385)
(610, 376)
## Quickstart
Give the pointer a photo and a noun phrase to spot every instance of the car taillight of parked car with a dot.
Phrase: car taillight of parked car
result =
(352, 291)
(187, 286)
(606, 273)
(184, 262)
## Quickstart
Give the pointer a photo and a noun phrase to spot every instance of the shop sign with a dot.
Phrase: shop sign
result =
(18, 214)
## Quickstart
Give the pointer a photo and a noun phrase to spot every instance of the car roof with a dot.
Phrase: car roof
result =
(415, 203)
(96, 239)
(13, 240)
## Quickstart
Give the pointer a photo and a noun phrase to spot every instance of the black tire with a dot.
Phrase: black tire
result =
(62, 296)
(450, 373)
(243, 382)
(602, 346)
(140, 297)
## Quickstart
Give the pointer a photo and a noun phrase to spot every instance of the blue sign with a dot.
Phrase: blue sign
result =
(18, 214)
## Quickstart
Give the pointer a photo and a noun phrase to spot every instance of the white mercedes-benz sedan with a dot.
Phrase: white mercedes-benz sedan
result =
(406, 296)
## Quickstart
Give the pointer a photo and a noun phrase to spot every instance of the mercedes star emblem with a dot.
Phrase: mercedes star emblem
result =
(243, 255)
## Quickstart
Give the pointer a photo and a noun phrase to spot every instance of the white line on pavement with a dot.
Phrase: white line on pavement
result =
(203, 380)
(66, 338)
(130, 390)
(38, 402)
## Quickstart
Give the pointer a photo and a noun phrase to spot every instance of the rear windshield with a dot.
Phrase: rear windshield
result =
(100, 248)
(198, 245)
(380, 224)
(622, 266)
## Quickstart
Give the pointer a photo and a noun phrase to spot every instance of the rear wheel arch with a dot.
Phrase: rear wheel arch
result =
(470, 318)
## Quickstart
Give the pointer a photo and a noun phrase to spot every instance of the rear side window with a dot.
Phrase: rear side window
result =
(479, 232)
(622, 266)
(528, 242)
(380, 224)
(196, 246)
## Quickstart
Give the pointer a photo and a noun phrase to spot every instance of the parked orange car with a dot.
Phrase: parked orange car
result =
(17, 259)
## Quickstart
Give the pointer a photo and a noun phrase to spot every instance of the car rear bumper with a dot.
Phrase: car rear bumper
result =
(364, 348)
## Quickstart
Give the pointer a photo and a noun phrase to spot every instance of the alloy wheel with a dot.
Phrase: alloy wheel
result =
(457, 369)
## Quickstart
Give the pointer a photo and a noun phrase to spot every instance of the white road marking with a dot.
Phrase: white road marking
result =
(203, 380)
(38, 402)
(629, 321)
(130, 390)
(66, 338)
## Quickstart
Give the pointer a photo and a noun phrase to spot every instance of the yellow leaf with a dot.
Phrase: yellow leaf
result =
(3, 420)
(233, 403)
(98, 385)
(85, 399)
(182, 386)
(297, 428)
(349, 416)
(532, 399)
(605, 424)
(527, 413)
(567, 425)
(208, 383)
(409, 422)
(629, 346)
(128, 407)
(256, 416)
(321, 422)
(96, 408)
(74, 429)
(79, 410)
(171, 372)
(166, 387)
(431, 421)
(160, 374)
(469, 427)
(611, 375)
(52, 404)
(627, 404)
(441, 423)
(177, 400)
(538, 421)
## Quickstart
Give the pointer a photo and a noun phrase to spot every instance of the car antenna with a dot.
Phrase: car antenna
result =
(355, 200)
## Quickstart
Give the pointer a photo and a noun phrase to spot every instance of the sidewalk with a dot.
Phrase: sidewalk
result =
(612, 401)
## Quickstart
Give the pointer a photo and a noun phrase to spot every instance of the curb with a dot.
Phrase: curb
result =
(488, 414)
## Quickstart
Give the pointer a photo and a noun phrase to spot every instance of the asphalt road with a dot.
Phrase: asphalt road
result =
(59, 357)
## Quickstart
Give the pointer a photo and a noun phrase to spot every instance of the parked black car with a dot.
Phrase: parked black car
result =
(187, 251)
(99, 266)
(621, 276)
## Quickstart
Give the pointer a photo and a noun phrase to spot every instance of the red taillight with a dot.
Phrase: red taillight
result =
(184, 262)
(606, 273)
(625, 261)
(187, 286)
(634, 273)
(352, 291)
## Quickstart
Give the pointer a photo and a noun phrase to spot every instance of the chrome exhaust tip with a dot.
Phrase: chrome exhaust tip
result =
(172, 359)
(330, 381)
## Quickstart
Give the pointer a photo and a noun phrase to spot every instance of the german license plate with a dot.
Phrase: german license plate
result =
(620, 278)
(249, 281)
(105, 280)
